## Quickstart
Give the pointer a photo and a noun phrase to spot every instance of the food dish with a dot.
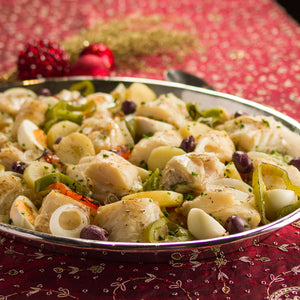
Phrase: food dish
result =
(125, 250)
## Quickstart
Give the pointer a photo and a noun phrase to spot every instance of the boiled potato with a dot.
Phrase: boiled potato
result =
(161, 155)
(193, 128)
(73, 147)
(163, 198)
(35, 171)
(60, 129)
(119, 92)
(140, 93)
(232, 172)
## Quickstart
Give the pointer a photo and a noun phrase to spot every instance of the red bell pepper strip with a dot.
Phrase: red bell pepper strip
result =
(81, 198)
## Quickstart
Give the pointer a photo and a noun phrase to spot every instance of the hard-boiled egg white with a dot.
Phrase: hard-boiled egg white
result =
(23, 213)
(30, 136)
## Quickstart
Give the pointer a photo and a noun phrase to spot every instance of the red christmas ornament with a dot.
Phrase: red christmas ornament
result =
(90, 65)
(42, 58)
(102, 51)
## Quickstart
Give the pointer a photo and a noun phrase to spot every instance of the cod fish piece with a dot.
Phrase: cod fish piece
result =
(50, 203)
(106, 133)
(262, 133)
(217, 142)
(167, 108)
(126, 220)
(191, 172)
(224, 202)
(142, 150)
(109, 173)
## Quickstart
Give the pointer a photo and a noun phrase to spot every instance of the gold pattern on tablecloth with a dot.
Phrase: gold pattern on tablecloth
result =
(125, 280)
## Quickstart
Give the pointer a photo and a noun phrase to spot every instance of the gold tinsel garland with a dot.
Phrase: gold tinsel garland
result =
(133, 38)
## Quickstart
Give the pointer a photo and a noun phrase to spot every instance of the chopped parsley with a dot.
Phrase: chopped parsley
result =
(266, 122)
(174, 186)
(166, 214)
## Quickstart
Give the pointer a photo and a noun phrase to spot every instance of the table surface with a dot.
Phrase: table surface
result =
(250, 49)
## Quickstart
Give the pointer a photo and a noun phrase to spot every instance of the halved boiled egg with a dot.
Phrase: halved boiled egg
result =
(30, 136)
(23, 213)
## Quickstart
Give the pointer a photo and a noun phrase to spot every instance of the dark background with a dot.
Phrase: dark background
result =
(292, 7)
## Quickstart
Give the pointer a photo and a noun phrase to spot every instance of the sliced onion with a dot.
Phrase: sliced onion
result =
(261, 156)
(202, 143)
(232, 183)
(68, 220)
(32, 154)
(277, 199)
(241, 196)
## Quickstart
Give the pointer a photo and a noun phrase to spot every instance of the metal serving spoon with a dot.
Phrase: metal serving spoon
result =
(186, 78)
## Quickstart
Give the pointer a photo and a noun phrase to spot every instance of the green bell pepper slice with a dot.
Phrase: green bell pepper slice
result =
(44, 182)
(260, 190)
(86, 86)
(152, 182)
(65, 111)
(132, 128)
(163, 230)
(288, 209)
(214, 115)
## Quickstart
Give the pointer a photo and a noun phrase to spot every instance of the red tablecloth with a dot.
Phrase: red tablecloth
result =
(251, 49)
